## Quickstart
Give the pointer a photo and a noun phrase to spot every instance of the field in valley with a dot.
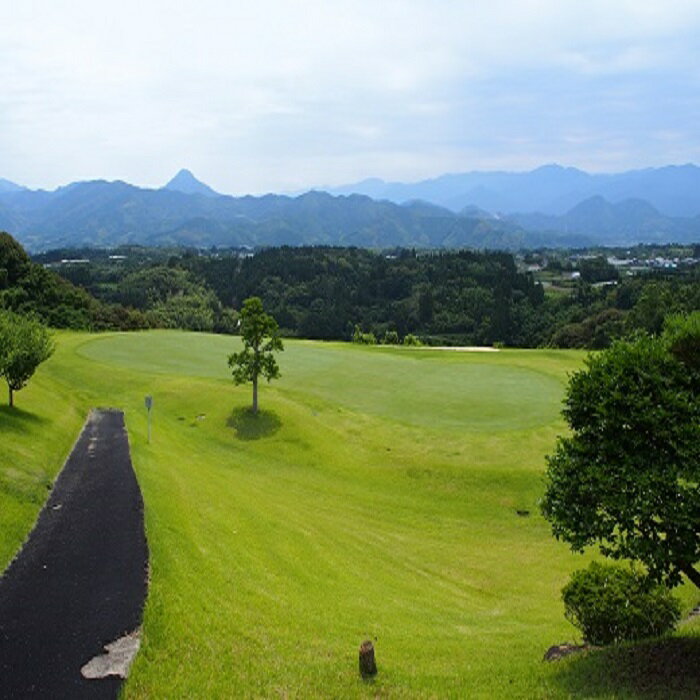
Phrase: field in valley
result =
(376, 497)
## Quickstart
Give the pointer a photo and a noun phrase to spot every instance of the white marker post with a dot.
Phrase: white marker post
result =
(149, 406)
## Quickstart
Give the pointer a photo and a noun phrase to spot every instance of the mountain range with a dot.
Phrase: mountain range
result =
(186, 211)
(673, 190)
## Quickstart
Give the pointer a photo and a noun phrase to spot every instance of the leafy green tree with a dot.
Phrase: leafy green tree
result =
(13, 260)
(24, 345)
(628, 476)
(261, 339)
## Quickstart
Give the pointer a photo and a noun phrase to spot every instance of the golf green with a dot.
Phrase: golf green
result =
(417, 387)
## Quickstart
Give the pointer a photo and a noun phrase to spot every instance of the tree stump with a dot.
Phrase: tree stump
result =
(368, 666)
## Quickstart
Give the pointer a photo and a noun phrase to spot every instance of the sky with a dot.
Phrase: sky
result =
(279, 96)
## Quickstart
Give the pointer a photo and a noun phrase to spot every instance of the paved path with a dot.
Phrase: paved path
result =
(79, 582)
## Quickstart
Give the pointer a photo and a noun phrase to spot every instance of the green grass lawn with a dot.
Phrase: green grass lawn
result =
(375, 497)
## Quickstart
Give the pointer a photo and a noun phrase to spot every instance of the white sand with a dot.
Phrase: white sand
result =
(460, 348)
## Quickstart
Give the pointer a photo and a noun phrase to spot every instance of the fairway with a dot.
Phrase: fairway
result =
(376, 498)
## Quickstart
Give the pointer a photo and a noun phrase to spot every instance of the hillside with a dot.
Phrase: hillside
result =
(627, 222)
(101, 213)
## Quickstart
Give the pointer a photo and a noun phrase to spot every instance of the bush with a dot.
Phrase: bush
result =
(611, 604)
(363, 338)
(410, 339)
(390, 338)
(682, 337)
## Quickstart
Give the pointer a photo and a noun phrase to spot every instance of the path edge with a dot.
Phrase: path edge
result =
(49, 493)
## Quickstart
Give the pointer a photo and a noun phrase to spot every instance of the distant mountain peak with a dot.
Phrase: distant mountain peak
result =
(187, 183)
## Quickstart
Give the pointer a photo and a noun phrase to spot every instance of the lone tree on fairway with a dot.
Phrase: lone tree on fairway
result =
(24, 345)
(628, 477)
(260, 335)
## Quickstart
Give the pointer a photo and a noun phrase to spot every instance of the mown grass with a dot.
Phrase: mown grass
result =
(375, 497)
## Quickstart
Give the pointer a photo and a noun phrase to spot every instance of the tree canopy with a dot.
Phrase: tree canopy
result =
(24, 344)
(628, 476)
(260, 335)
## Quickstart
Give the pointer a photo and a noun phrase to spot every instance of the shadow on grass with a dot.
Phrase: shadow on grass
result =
(13, 418)
(661, 668)
(251, 426)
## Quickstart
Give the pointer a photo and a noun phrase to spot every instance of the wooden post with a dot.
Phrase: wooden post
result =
(368, 666)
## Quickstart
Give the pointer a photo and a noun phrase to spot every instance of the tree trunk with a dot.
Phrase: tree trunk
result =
(255, 396)
(11, 399)
(691, 573)
(368, 666)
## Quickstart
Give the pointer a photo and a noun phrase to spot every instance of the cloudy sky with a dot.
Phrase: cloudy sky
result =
(273, 95)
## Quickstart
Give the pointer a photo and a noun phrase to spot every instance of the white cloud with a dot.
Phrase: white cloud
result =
(272, 95)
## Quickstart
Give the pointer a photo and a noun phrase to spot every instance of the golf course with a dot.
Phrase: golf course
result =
(382, 493)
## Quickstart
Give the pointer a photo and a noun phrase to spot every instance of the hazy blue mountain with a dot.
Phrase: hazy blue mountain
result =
(101, 213)
(551, 189)
(187, 183)
(7, 186)
(622, 223)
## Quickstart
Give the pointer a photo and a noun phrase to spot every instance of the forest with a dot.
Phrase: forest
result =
(444, 298)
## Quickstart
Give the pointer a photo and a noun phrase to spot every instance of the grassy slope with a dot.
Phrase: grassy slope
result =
(376, 498)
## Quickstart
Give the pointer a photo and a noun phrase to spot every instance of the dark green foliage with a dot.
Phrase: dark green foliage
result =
(390, 338)
(593, 317)
(682, 336)
(410, 339)
(260, 335)
(628, 476)
(358, 336)
(24, 344)
(147, 283)
(611, 604)
(13, 260)
(595, 332)
(446, 298)
(31, 289)
(597, 269)
(319, 292)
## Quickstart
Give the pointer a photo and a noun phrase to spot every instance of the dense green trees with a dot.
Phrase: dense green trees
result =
(260, 335)
(444, 298)
(456, 297)
(30, 289)
(24, 345)
(628, 476)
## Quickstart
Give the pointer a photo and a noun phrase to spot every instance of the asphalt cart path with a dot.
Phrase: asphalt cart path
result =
(79, 582)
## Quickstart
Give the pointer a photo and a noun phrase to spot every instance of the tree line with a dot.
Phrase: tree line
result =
(441, 298)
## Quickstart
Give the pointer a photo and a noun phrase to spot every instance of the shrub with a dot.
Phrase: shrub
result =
(611, 604)
(363, 338)
(390, 338)
(682, 336)
(410, 339)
